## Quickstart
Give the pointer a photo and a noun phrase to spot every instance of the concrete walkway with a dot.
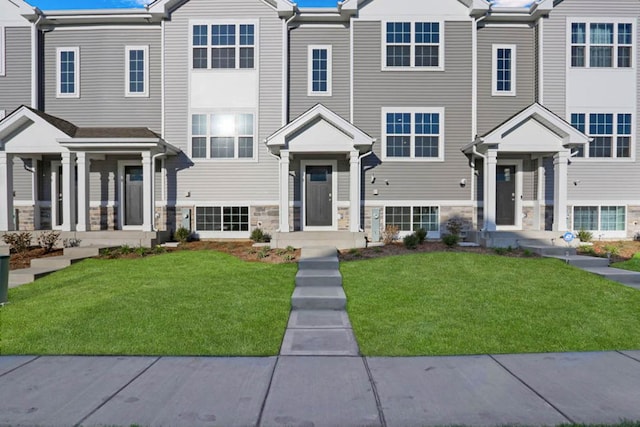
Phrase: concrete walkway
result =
(600, 266)
(526, 389)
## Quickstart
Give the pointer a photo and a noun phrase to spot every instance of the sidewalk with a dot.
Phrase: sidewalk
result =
(527, 389)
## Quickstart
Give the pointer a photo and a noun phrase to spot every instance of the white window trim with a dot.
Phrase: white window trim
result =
(221, 234)
(75, 94)
(209, 46)
(602, 233)
(494, 70)
(413, 111)
(587, 44)
(615, 135)
(412, 67)
(400, 204)
(209, 135)
(310, 91)
(3, 54)
(127, 92)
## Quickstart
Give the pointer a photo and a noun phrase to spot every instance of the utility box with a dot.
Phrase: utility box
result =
(186, 219)
(4, 278)
(375, 224)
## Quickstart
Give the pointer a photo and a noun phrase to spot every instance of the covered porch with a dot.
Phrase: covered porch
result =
(76, 174)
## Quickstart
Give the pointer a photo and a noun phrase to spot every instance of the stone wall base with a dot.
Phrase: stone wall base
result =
(103, 218)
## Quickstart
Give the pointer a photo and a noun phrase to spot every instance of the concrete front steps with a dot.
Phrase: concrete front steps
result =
(319, 324)
(44, 266)
(306, 239)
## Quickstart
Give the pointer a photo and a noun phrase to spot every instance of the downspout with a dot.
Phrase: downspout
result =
(362, 156)
(35, 65)
(153, 184)
(285, 69)
(474, 74)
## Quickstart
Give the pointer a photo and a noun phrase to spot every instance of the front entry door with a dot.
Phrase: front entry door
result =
(506, 195)
(319, 203)
(133, 192)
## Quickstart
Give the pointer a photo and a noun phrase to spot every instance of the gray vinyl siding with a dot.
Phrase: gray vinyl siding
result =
(611, 180)
(15, 85)
(494, 110)
(102, 180)
(22, 179)
(102, 99)
(451, 89)
(219, 181)
(300, 39)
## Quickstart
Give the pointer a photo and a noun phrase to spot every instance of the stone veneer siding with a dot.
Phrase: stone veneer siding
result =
(103, 218)
(24, 217)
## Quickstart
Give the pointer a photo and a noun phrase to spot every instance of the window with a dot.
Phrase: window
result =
(223, 46)
(413, 45)
(413, 134)
(227, 218)
(504, 70)
(222, 136)
(611, 134)
(319, 60)
(601, 44)
(599, 218)
(408, 218)
(2, 52)
(137, 71)
(68, 75)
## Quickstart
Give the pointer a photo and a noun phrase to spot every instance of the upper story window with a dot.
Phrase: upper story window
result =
(68, 72)
(417, 134)
(223, 46)
(601, 44)
(611, 133)
(222, 136)
(504, 70)
(137, 71)
(413, 45)
(2, 52)
(319, 60)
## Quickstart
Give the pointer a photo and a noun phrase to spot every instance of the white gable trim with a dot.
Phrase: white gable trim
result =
(18, 129)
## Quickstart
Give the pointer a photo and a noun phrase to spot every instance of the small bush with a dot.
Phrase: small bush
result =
(612, 250)
(140, 251)
(587, 250)
(411, 241)
(263, 252)
(182, 235)
(159, 249)
(421, 234)
(47, 240)
(390, 234)
(527, 253)
(501, 251)
(259, 236)
(377, 249)
(19, 242)
(125, 249)
(291, 249)
(451, 240)
(71, 243)
(585, 236)
(288, 257)
(454, 226)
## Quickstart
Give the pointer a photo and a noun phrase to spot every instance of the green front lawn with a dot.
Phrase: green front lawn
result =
(632, 264)
(183, 303)
(463, 303)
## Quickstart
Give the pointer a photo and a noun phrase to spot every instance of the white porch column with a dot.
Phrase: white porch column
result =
(490, 168)
(354, 192)
(68, 192)
(83, 163)
(284, 191)
(6, 191)
(560, 170)
(147, 177)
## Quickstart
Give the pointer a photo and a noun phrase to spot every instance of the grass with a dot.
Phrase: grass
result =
(183, 303)
(632, 264)
(462, 303)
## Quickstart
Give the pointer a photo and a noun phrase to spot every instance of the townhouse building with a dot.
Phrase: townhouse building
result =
(227, 115)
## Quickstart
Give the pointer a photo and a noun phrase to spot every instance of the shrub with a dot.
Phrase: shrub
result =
(125, 249)
(454, 226)
(47, 240)
(71, 243)
(291, 249)
(421, 234)
(19, 242)
(585, 236)
(157, 249)
(411, 241)
(501, 251)
(263, 252)
(527, 253)
(451, 240)
(390, 234)
(140, 251)
(259, 236)
(182, 235)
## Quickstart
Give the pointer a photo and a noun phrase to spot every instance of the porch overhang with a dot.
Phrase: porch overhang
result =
(320, 131)
(533, 130)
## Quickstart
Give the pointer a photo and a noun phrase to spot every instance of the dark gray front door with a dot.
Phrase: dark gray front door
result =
(506, 195)
(318, 196)
(133, 195)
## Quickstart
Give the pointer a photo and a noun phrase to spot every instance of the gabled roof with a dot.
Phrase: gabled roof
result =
(537, 121)
(321, 121)
(164, 7)
(15, 12)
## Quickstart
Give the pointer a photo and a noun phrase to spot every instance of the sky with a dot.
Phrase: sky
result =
(110, 4)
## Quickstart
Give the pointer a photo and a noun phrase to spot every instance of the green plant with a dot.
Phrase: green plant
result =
(182, 235)
(157, 249)
(125, 249)
(390, 234)
(140, 251)
(288, 257)
(257, 235)
(411, 241)
(454, 226)
(451, 240)
(585, 236)
(47, 240)
(263, 252)
(501, 251)
(291, 249)
(611, 249)
(19, 242)
(377, 249)
(71, 243)
(527, 253)
(421, 234)
(281, 252)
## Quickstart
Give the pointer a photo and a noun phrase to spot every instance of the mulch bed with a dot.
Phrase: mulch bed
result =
(23, 260)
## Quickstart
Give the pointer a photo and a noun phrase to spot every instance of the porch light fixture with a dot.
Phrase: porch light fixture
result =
(373, 179)
(463, 182)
